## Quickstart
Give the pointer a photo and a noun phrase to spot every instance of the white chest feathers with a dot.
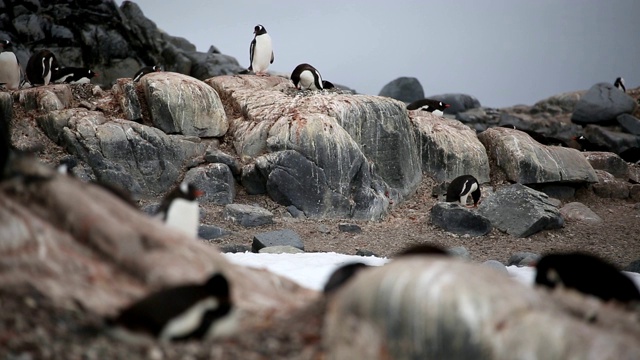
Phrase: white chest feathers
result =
(262, 53)
(9, 70)
(308, 80)
(184, 215)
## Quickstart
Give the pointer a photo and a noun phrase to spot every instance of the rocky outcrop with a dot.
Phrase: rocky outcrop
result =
(449, 148)
(602, 104)
(482, 314)
(85, 249)
(610, 187)
(526, 161)
(611, 139)
(406, 89)
(608, 162)
(520, 211)
(215, 180)
(113, 41)
(139, 158)
(327, 153)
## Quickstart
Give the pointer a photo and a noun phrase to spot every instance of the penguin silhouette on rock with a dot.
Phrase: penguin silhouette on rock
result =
(260, 51)
(461, 187)
(40, 67)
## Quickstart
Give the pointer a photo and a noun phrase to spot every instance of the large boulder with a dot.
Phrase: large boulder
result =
(629, 123)
(215, 180)
(407, 89)
(526, 161)
(608, 162)
(520, 211)
(358, 151)
(457, 219)
(449, 148)
(615, 141)
(458, 102)
(184, 105)
(602, 104)
(435, 307)
(558, 104)
(139, 158)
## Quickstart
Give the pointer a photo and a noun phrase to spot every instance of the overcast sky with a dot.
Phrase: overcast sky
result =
(504, 52)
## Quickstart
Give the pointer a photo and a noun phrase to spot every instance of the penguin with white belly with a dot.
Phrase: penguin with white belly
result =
(260, 51)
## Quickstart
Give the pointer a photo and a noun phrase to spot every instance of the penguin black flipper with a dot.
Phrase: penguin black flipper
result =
(619, 83)
(587, 274)
(327, 85)
(341, 275)
(252, 48)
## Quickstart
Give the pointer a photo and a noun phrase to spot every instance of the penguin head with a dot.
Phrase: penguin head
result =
(259, 30)
(91, 74)
(218, 285)
(5, 44)
(190, 191)
(156, 68)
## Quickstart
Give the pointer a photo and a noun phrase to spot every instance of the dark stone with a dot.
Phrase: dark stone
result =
(634, 192)
(407, 89)
(613, 141)
(556, 191)
(459, 102)
(633, 266)
(209, 232)
(523, 259)
(350, 228)
(609, 162)
(521, 211)
(295, 212)
(630, 123)
(234, 248)
(215, 180)
(214, 155)
(602, 104)
(459, 251)
(247, 215)
(284, 237)
(610, 187)
(367, 253)
(455, 218)
(252, 180)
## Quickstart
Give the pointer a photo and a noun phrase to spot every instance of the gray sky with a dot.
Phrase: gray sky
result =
(504, 52)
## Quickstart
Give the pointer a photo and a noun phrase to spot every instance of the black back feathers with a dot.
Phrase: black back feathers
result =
(144, 71)
(40, 67)
(587, 274)
(307, 77)
(427, 105)
(619, 83)
(73, 75)
(341, 275)
(159, 313)
(461, 187)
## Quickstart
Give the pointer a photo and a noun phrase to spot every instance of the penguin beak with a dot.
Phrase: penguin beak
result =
(446, 106)
(198, 193)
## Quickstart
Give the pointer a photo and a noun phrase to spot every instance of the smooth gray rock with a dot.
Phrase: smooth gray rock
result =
(247, 215)
(295, 212)
(139, 158)
(280, 249)
(523, 258)
(609, 162)
(407, 89)
(610, 187)
(576, 211)
(214, 155)
(350, 228)
(449, 149)
(215, 180)
(520, 211)
(457, 219)
(602, 104)
(252, 180)
(615, 141)
(459, 251)
(496, 265)
(209, 232)
(234, 248)
(181, 104)
(458, 102)
(525, 161)
(284, 237)
(629, 123)
(560, 103)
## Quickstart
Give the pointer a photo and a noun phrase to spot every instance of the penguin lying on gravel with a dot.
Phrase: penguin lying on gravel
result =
(144, 71)
(179, 313)
(461, 187)
(587, 274)
(435, 107)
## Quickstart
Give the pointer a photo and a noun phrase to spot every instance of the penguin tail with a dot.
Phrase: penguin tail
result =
(245, 71)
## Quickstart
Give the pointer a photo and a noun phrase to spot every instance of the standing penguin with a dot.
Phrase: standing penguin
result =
(40, 67)
(306, 77)
(144, 71)
(73, 75)
(620, 84)
(260, 51)
(180, 313)
(587, 274)
(435, 107)
(461, 187)
(9, 67)
(180, 210)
